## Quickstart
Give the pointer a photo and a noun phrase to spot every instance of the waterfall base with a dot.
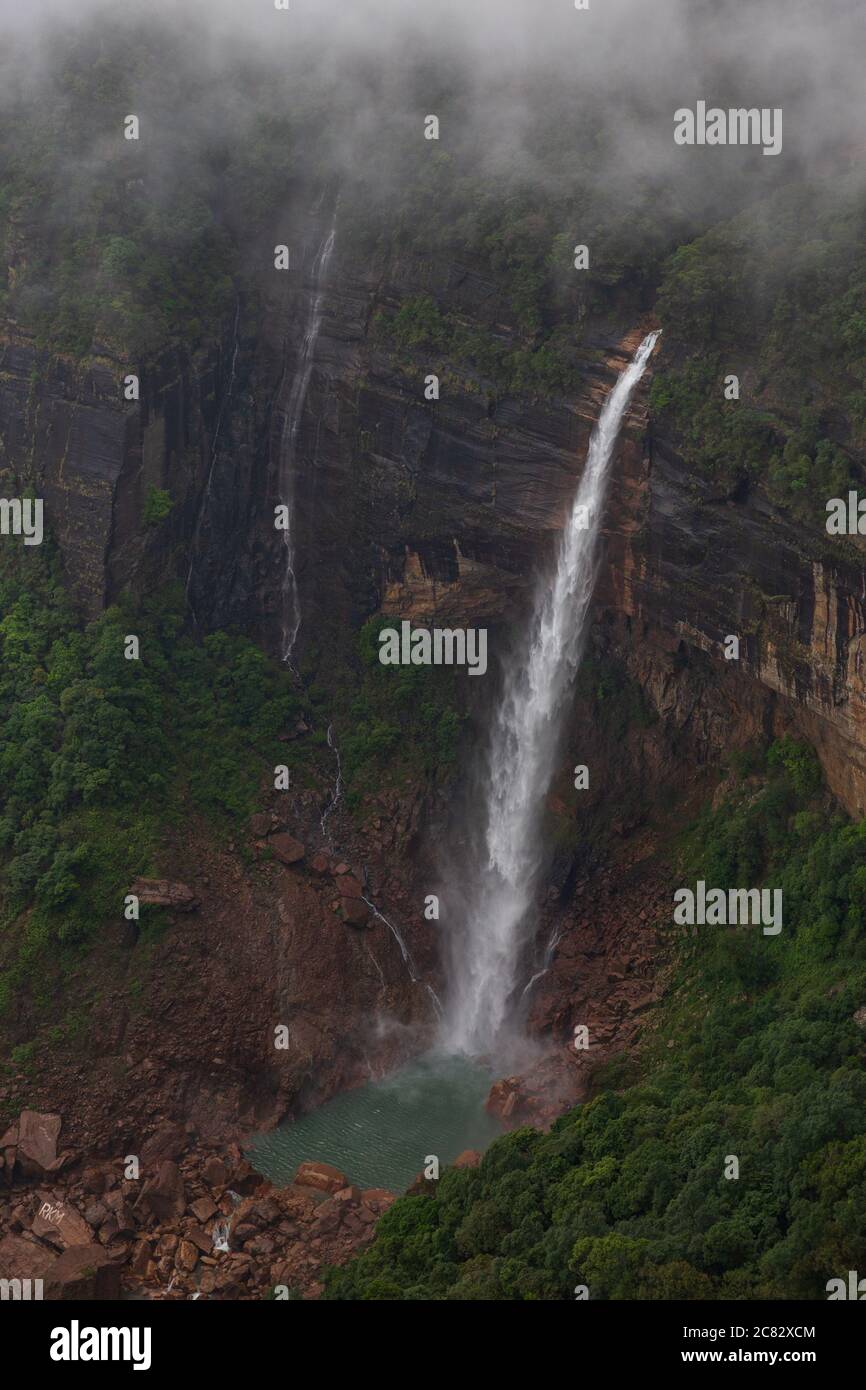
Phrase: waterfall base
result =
(383, 1134)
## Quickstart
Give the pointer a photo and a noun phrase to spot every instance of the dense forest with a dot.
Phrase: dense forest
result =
(758, 1055)
(125, 252)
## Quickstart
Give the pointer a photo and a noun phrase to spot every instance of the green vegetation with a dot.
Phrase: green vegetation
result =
(99, 753)
(483, 361)
(401, 720)
(157, 505)
(756, 1053)
(775, 297)
(505, 310)
(618, 703)
(129, 246)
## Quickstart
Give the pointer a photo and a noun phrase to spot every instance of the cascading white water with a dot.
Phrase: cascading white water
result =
(521, 755)
(291, 606)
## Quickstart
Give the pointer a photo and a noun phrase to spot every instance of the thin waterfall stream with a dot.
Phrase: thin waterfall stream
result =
(291, 603)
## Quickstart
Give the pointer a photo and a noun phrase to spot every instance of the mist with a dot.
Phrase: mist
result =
(489, 68)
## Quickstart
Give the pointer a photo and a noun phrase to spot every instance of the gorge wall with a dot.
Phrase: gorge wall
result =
(438, 512)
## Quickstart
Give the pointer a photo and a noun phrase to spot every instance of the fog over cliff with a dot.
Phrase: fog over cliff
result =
(489, 64)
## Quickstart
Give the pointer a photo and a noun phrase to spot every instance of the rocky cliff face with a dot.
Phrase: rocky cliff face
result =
(438, 512)
(93, 456)
(685, 570)
(443, 511)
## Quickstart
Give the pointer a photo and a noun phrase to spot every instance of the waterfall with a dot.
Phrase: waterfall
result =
(338, 787)
(291, 606)
(521, 756)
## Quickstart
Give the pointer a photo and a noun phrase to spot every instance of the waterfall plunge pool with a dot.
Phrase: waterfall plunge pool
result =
(380, 1134)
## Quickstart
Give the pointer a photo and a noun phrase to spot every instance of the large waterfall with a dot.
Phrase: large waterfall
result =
(520, 758)
(291, 606)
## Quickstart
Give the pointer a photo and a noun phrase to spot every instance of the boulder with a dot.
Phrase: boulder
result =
(138, 1265)
(203, 1209)
(167, 1142)
(186, 1258)
(504, 1096)
(93, 1181)
(37, 1143)
(320, 1176)
(55, 1220)
(320, 863)
(21, 1258)
(215, 1172)
(201, 1238)
(260, 824)
(122, 1214)
(286, 848)
(265, 1211)
(164, 1196)
(327, 1218)
(378, 1199)
(95, 1213)
(85, 1271)
(349, 887)
(162, 892)
(348, 1196)
(355, 911)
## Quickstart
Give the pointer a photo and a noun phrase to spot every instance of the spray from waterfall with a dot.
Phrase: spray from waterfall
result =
(291, 605)
(521, 757)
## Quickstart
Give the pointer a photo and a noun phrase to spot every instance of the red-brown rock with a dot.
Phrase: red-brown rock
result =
(348, 1196)
(85, 1271)
(215, 1172)
(167, 1142)
(162, 892)
(286, 848)
(470, 1158)
(24, 1259)
(164, 1195)
(37, 1142)
(60, 1222)
(355, 911)
(321, 1176)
